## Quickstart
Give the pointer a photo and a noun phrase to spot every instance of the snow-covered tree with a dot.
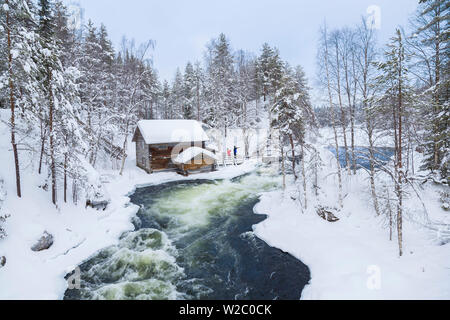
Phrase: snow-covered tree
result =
(324, 57)
(270, 70)
(199, 88)
(394, 79)
(291, 115)
(221, 98)
(19, 80)
(429, 48)
(189, 92)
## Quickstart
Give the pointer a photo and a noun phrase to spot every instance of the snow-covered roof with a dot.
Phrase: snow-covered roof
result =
(171, 131)
(212, 146)
(189, 154)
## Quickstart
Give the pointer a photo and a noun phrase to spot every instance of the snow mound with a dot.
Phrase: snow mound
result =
(192, 153)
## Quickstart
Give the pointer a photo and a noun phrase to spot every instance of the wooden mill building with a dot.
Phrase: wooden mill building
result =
(172, 145)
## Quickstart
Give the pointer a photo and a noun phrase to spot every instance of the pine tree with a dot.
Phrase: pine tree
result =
(177, 96)
(199, 83)
(287, 115)
(292, 114)
(19, 79)
(189, 92)
(222, 108)
(59, 103)
(165, 101)
(430, 47)
(394, 80)
(265, 66)
(50, 64)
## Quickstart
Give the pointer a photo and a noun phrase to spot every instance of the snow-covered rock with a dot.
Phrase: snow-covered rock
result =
(44, 243)
(97, 196)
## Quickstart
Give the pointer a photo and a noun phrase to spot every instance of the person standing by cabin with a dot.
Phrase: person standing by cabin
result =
(235, 151)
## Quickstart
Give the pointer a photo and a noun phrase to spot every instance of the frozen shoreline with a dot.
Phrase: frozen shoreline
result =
(342, 257)
(79, 233)
(353, 258)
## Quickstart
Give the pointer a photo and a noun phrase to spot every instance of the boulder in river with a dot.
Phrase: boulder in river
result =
(2, 261)
(44, 243)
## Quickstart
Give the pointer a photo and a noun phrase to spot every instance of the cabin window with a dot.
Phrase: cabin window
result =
(162, 147)
(143, 144)
(143, 161)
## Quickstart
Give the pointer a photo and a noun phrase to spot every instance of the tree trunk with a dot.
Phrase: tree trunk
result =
(198, 101)
(316, 172)
(124, 155)
(41, 157)
(341, 107)
(65, 178)
(333, 122)
(12, 104)
(437, 72)
(52, 146)
(372, 166)
(283, 168)
(348, 90)
(400, 159)
(291, 139)
(304, 175)
(370, 127)
(124, 151)
(352, 114)
(75, 191)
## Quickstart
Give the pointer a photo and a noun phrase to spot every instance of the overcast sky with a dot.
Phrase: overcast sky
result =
(182, 28)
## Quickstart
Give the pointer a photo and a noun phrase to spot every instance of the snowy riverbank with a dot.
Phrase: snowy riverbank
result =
(353, 258)
(350, 259)
(78, 232)
(345, 257)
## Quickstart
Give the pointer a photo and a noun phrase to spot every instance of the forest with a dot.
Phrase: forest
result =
(74, 100)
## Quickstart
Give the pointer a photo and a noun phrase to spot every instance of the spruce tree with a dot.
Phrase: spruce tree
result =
(189, 92)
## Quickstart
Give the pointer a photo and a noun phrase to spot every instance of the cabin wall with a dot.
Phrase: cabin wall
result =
(161, 157)
(142, 154)
(207, 164)
(158, 157)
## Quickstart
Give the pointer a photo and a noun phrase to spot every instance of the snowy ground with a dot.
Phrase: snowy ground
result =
(78, 232)
(353, 258)
(350, 259)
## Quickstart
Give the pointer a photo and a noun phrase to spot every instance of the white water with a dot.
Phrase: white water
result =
(199, 218)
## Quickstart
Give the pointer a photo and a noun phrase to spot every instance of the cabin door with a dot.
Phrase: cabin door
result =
(161, 158)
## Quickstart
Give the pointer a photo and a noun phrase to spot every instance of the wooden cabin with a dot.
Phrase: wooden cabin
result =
(194, 160)
(160, 141)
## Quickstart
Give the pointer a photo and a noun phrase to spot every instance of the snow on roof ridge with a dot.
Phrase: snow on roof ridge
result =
(171, 131)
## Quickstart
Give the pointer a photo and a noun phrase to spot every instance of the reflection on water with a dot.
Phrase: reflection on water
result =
(194, 240)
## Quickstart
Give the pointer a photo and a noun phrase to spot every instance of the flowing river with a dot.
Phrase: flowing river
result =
(194, 240)
(382, 155)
